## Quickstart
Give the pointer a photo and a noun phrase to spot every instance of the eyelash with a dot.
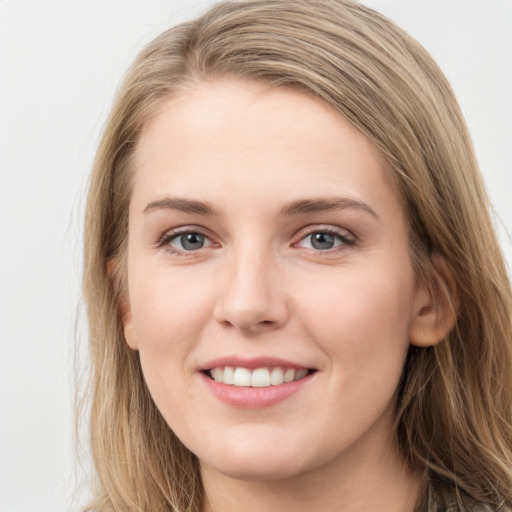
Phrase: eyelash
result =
(346, 240)
(169, 236)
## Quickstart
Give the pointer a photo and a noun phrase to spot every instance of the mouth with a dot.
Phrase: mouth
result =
(258, 377)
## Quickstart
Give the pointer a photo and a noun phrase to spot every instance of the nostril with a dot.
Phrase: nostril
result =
(248, 324)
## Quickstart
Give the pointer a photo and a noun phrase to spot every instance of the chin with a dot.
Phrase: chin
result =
(256, 462)
(261, 471)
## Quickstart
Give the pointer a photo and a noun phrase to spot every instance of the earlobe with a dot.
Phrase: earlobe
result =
(123, 304)
(436, 306)
(130, 334)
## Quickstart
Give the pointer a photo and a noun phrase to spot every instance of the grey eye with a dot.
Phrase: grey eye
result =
(322, 241)
(189, 241)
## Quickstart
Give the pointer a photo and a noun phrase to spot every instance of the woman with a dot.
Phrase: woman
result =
(295, 294)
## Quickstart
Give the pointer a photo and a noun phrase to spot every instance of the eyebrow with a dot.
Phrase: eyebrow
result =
(298, 207)
(183, 205)
(303, 206)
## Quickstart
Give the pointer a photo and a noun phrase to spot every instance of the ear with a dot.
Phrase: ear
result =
(436, 306)
(113, 270)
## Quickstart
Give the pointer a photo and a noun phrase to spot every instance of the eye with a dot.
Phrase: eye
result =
(324, 240)
(188, 241)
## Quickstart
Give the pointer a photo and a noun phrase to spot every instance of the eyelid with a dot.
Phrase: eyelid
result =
(346, 236)
(170, 234)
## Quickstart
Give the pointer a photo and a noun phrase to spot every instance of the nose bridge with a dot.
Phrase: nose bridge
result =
(250, 294)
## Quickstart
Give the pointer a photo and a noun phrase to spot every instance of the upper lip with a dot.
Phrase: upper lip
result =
(251, 363)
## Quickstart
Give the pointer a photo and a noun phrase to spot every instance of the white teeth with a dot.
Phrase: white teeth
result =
(242, 377)
(289, 375)
(300, 374)
(258, 378)
(276, 377)
(229, 375)
(217, 374)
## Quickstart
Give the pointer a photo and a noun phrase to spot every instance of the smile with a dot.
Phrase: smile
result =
(258, 377)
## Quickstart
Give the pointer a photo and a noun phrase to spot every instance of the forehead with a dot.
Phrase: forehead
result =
(231, 133)
(246, 107)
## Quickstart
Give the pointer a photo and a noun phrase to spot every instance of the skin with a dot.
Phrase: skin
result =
(258, 287)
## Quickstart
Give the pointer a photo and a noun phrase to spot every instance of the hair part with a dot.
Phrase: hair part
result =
(454, 404)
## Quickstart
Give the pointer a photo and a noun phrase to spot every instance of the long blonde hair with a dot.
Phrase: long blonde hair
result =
(454, 404)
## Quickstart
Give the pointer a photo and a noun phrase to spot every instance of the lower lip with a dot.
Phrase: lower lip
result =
(253, 398)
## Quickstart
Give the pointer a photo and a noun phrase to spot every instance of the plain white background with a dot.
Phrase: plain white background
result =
(60, 64)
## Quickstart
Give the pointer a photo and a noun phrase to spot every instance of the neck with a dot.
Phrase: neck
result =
(368, 481)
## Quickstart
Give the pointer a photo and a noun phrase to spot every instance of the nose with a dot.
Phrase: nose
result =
(252, 295)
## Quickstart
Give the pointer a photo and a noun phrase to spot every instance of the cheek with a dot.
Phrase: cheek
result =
(169, 309)
(361, 319)
(169, 316)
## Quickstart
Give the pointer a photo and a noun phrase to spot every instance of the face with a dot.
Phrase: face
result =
(270, 286)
